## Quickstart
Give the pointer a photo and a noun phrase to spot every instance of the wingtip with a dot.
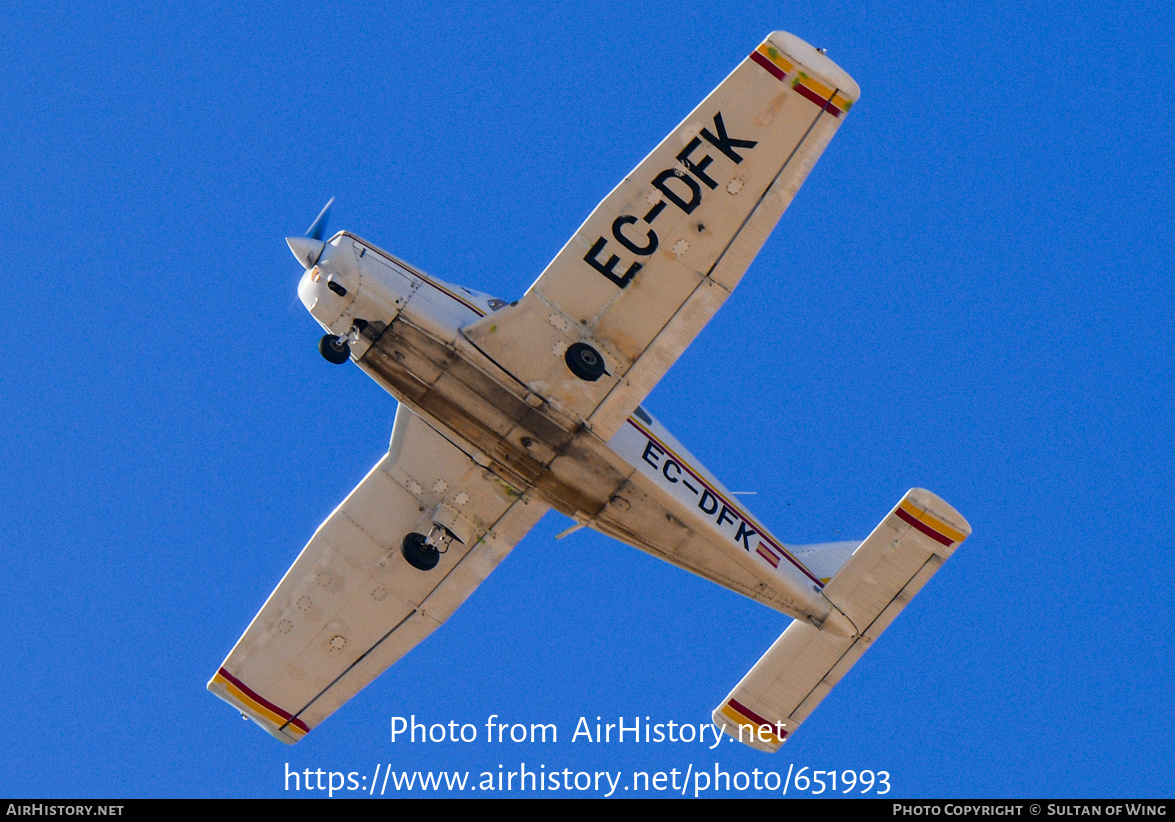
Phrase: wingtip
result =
(816, 62)
(940, 508)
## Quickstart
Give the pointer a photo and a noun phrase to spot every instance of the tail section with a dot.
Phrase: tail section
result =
(866, 595)
(675, 509)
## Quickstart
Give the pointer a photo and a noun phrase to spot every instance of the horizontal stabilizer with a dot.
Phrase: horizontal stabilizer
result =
(882, 576)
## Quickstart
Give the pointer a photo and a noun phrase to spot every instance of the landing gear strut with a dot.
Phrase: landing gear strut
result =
(337, 350)
(425, 552)
(334, 349)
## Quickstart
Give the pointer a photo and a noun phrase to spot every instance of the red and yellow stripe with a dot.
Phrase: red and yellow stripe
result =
(928, 524)
(249, 698)
(768, 555)
(772, 59)
(831, 100)
(744, 717)
(778, 66)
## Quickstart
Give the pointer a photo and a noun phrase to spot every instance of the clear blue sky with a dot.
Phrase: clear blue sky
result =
(972, 294)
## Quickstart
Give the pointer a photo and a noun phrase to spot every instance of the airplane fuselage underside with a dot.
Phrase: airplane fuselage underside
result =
(411, 345)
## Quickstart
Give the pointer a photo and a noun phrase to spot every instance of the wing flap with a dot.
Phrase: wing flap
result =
(805, 663)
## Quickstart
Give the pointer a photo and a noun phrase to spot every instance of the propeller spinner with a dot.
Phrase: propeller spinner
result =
(309, 248)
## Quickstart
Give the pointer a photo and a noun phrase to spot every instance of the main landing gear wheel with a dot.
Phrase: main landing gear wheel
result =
(334, 349)
(419, 553)
(585, 362)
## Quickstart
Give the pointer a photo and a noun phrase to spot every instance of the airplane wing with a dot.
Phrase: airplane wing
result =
(352, 605)
(803, 665)
(662, 252)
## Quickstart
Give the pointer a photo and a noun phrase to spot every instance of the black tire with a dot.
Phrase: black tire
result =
(334, 349)
(585, 362)
(418, 553)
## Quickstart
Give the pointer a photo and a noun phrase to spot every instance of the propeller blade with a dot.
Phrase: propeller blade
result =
(318, 227)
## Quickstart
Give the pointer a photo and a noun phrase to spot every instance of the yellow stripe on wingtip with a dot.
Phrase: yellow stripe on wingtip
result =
(740, 720)
(775, 56)
(931, 520)
(839, 100)
(254, 705)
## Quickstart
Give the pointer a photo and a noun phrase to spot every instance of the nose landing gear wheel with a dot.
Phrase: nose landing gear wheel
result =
(334, 349)
(419, 553)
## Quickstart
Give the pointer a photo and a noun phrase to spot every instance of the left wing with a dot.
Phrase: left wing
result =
(352, 605)
(661, 253)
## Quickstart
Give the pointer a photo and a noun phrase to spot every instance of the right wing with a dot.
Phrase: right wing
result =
(352, 605)
(878, 581)
(662, 252)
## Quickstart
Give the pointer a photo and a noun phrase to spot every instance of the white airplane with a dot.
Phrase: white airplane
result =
(510, 409)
